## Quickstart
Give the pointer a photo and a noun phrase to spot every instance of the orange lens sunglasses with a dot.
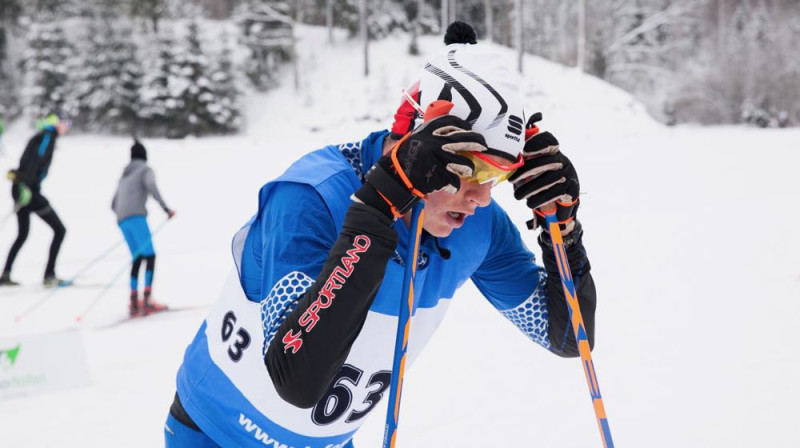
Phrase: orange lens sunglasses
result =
(487, 170)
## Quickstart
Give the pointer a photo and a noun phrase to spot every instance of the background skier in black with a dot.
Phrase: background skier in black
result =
(26, 192)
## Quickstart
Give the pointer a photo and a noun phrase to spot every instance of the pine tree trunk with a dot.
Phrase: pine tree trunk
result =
(721, 25)
(581, 40)
(509, 33)
(295, 60)
(418, 21)
(445, 15)
(519, 34)
(489, 21)
(362, 16)
(2, 44)
(329, 19)
(301, 10)
(414, 49)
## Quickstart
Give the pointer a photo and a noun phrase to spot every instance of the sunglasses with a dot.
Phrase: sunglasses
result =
(488, 170)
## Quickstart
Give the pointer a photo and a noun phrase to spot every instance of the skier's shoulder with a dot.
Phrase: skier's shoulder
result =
(337, 161)
(291, 198)
(31, 155)
(324, 176)
(47, 135)
(498, 213)
(135, 166)
(34, 141)
(316, 167)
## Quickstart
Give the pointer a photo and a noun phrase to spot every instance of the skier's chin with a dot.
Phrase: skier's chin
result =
(441, 227)
(440, 233)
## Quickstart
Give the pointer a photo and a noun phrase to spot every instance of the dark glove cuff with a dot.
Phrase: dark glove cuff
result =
(367, 195)
(384, 192)
(565, 212)
(570, 240)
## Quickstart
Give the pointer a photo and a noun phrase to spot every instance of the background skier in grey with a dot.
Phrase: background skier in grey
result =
(137, 183)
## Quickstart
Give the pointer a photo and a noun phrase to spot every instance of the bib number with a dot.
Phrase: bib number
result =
(242, 341)
(339, 398)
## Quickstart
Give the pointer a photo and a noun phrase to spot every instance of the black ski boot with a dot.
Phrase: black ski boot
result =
(150, 306)
(51, 281)
(5, 279)
(133, 307)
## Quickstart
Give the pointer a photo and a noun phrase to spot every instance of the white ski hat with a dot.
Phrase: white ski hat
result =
(482, 89)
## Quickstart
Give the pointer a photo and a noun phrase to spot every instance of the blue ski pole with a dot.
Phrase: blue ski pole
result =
(403, 327)
(435, 109)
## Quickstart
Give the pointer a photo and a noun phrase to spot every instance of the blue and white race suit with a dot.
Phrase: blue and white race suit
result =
(223, 383)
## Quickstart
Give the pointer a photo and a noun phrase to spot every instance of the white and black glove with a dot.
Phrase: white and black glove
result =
(547, 178)
(422, 162)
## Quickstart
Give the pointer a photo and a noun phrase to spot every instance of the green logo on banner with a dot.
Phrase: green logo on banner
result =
(9, 357)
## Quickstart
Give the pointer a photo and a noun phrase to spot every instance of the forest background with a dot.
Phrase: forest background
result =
(180, 67)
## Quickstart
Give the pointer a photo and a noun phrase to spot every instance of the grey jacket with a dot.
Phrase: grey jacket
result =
(138, 180)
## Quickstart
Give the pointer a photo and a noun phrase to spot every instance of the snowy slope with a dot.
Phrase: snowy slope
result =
(690, 233)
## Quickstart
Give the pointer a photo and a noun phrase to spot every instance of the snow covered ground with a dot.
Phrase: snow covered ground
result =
(691, 233)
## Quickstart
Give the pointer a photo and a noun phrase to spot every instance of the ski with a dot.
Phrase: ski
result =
(140, 316)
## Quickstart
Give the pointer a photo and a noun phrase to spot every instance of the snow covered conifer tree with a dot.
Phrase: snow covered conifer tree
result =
(266, 28)
(225, 107)
(10, 11)
(107, 83)
(46, 67)
(152, 10)
(160, 106)
(383, 16)
(185, 93)
(8, 98)
(196, 92)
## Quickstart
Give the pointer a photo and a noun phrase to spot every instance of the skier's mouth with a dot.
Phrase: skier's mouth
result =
(456, 219)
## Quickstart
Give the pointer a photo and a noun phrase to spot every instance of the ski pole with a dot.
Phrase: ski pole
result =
(403, 326)
(119, 273)
(435, 109)
(53, 291)
(95, 261)
(577, 325)
(5, 219)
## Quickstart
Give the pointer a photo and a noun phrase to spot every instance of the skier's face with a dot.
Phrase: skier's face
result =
(62, 128)
(445, 212)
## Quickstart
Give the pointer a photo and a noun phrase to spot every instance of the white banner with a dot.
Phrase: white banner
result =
(38, 363)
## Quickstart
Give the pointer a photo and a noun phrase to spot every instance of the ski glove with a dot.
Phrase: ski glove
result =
(25, 196)
(422, 162)
(547, 178)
